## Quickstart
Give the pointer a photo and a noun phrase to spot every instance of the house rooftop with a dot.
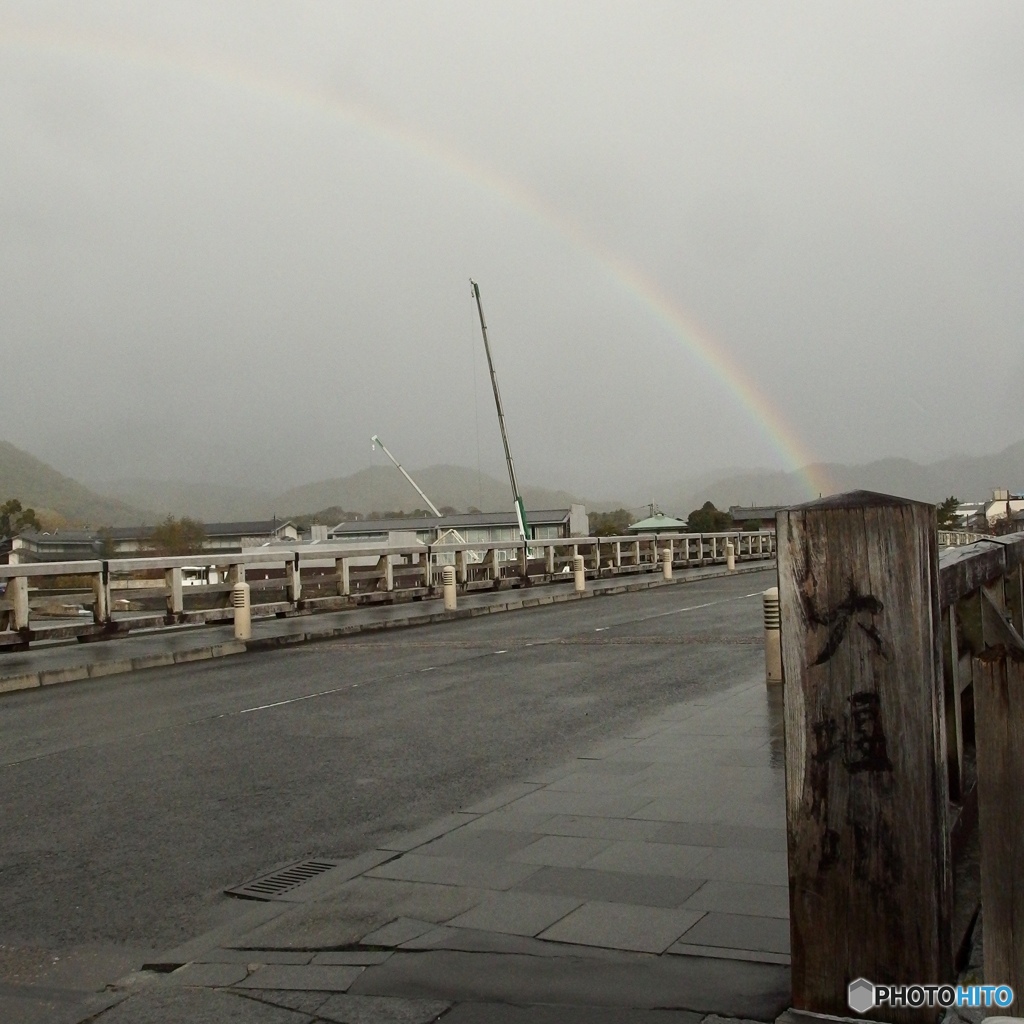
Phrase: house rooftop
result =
(535, 517)
(657, 523)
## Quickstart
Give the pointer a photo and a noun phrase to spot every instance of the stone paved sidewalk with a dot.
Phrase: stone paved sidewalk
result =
(644, 881)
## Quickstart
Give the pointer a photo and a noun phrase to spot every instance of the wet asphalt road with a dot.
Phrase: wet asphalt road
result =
(130, 803)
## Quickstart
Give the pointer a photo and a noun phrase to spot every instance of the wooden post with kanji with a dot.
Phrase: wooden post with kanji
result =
(866, 783)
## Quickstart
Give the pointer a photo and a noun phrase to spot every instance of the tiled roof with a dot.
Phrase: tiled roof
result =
(535, 517)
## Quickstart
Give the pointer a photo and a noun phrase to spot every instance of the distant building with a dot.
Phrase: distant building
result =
(1003, 505)
(473, 527)
(658, 523)
(58, 546)
(124, 541)
(763, 515)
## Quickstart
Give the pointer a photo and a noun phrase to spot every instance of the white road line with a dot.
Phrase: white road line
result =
(293, 700)
(689, 608)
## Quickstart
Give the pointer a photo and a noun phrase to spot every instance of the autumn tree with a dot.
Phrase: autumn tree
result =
(178, 536)
(610, 524)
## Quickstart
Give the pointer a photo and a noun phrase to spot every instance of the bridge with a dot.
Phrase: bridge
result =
(578, 810)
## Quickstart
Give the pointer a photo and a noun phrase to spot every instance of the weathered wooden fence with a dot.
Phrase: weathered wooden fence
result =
(904, 725)
(118, 595)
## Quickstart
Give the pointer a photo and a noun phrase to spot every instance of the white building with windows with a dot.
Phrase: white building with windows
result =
(473, 527)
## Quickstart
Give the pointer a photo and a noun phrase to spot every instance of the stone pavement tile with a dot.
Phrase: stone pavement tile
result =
(306, 978)
(759, 815)
(179, 1005)
(652, 859)
(352, 957)
(507, 819)
(740, 931)
(358, 907)
(471, 940)
(755, 956)
(755, 757)
(348, 1009)
(739, 740)
(209, 975)
(600, 828)
(516, 913)
(436, 938)
(306, 1002)
(398, 931)
(402, 841)
(765, 867)
(454, 871)
(243, 922)
(560, 851)
(615, 749)
(697, 833)
(253, 956)
(594, 782)
(502, 797)
(678, 808)
(601, 766)
(611, 805)
(704, 723)
(633, 980)
(622, 926)
(480, 844)
(741, 898)
(613, 886)
(490, 1013)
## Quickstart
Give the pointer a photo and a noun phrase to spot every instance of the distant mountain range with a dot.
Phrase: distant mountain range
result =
(382, 489)
(379, 488)
(969, 477)
(41, 487)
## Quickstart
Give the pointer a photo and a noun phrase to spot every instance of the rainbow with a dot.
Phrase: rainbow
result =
(712, 354)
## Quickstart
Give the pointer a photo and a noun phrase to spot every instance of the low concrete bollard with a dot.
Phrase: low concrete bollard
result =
(579, 574)
(730, 555)
(448, 586)
(243, 611)
(666, 563)
(772, 636)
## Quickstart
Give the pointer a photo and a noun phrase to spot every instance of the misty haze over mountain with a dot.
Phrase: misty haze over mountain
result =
(237, 237)
(382, 490)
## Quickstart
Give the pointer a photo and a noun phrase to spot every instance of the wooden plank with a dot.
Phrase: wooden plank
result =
(999, 728)
(866, 779)
(951, 698)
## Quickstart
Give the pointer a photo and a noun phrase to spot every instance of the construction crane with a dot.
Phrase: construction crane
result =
(451, 534)
(374, 441)
(524, 526)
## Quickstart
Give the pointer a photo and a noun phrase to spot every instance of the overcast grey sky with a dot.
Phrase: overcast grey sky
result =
(236, 238)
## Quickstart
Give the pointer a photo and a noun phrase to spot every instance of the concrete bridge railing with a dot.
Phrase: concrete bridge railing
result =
(110, 597)
(956, 538)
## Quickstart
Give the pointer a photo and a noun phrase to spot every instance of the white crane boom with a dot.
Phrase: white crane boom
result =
(375, 440)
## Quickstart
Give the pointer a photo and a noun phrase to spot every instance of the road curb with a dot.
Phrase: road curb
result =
(97, 670)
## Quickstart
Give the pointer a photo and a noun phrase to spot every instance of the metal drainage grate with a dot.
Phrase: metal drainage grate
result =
(274, 885)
